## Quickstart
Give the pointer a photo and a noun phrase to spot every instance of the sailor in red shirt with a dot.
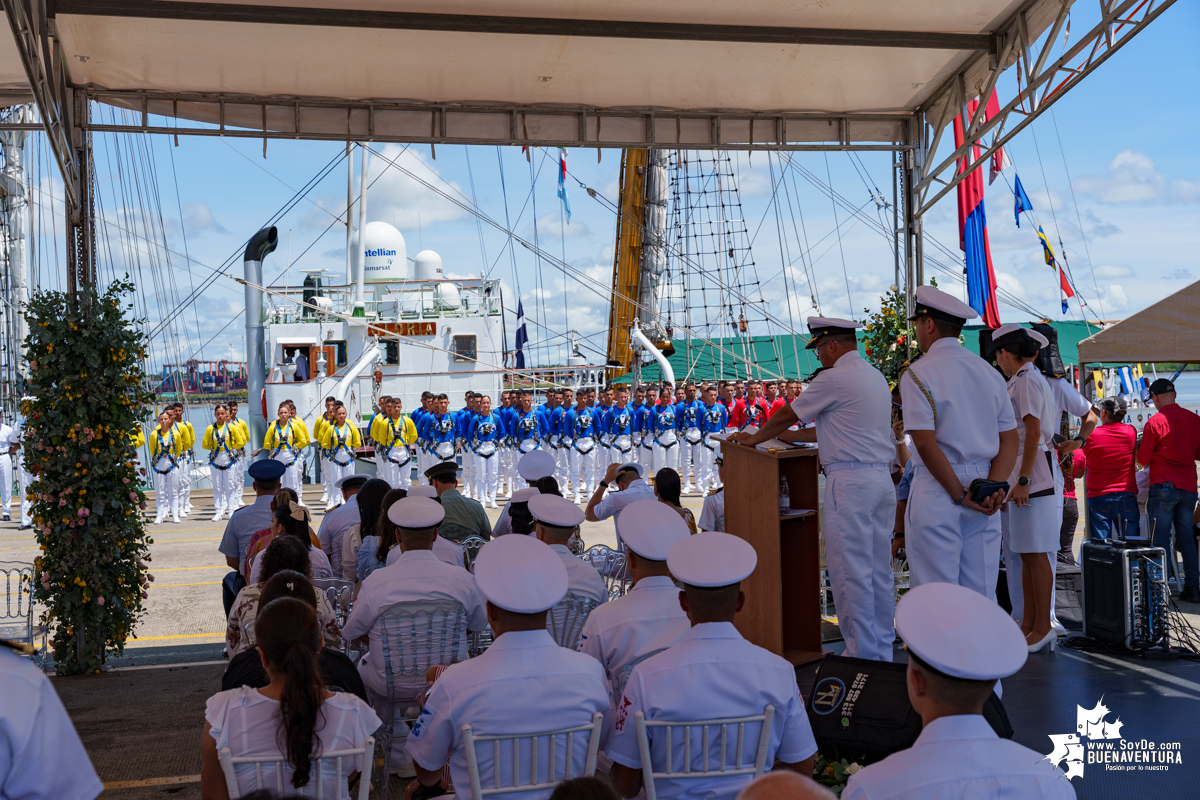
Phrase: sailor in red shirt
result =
(1170, 447)
(751, 411)
(772, 398)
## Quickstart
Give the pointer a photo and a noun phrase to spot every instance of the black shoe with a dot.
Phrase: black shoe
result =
(1190, 594)
(7, 518)
(24, 527)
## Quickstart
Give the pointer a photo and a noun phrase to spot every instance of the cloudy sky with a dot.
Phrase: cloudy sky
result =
(1112, 172)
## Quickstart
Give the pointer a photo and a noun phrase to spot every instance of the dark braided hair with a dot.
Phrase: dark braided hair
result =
(385, 530)
(289, 635)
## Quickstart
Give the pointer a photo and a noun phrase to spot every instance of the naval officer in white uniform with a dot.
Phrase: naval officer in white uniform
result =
(713, 673)
(629, 487)
(531, 467)
(648, 618)
(851, 404)
(959, 644)
(523, 683)
(956, 409)
(555, 520)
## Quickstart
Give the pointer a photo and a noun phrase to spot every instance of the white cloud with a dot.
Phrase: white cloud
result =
(1178, 275)
(1114, 297)
(551, 226)
(199, 218)
(1183, 191)
(1110, 271)
(1131, 178)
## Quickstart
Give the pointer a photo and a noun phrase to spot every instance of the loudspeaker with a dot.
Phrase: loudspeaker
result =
(1049, 360)
(859, 710)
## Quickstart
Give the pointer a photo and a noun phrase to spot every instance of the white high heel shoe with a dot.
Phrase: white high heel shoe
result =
(1050, 638)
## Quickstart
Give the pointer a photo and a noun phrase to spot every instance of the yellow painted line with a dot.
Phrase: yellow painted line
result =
(179, 636)
(186, 569)
(108, 787)
(156, 542)
(172, 585)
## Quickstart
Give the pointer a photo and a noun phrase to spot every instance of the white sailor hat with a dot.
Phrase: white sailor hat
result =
(555, 511)
(535, 465)
(416, 513)
(650, 528)
(632, 465)
(422, 490)
(353, 479)
(710, 558)
(520, 574)
(959, 632)
(1012, 327)
(931, 302)
(524, 495)
(828, 326)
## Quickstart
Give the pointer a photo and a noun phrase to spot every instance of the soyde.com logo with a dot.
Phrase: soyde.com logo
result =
(1098, 741)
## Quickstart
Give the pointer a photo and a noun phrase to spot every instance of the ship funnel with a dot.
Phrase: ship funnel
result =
(259, 247)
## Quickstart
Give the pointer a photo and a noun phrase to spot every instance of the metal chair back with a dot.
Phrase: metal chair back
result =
(543, 747)
(415, 636)
(620, 679)
(710, 766)
(16, 621)
(282, 769)
(610, 564)
(565, 621)
(471, 546)
(340, 594)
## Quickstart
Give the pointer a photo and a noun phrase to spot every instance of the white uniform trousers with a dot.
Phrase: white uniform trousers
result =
(24, 479)
(617, 458)
(860, 509)
(708, 469)
(665, 457)
(603, 456)
(562, 467)
(292, 475)
(646, 455)
(951, 543)
(486, 472)
(336, 471)
(690, 461)
(468, 473)
(6, 483)
(182, 484)
(398, 476)
(166, 495)
(583, 473)
(224, 482)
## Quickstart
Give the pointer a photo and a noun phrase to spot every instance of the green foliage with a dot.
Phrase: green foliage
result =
(888, 336)
(835, 774)
(86, 390)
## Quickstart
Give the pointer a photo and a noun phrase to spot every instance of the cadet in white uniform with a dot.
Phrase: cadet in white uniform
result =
(957, 411)
(41, 757)
(629, 488)
(959, 644)
(523, 683)
(852, 406)
(712, 515)
(648, 618)
(7, 440)
(24, 479)
(418, 575)
(713, 673)
(555, 520)
(335, 523)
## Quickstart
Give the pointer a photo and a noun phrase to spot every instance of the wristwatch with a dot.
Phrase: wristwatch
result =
(1081, 439)
(962, 497)
(603, 484)
(1022, 481)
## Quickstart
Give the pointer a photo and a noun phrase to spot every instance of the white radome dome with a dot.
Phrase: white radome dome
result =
(427, 266)
(446, 296)
(383, 253)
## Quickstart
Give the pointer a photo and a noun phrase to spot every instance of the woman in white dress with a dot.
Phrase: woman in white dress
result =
(293, 717)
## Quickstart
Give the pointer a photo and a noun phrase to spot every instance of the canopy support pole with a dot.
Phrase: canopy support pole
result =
(81, 218)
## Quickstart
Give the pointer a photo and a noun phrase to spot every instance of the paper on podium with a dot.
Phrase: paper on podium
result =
(767, 446)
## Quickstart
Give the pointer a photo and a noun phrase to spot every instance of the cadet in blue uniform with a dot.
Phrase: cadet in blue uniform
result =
(580, 434)
(462, 426)
(715, 419)
(528, 429)
(483, 442)
(422, 449)
(618, 424)
(690, 416)
(663, 430)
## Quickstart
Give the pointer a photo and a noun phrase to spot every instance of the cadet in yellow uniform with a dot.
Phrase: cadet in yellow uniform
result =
(285, 439)
(339, 439)
(166, 456)
(323, 421)
(183, 481)
(234, 419)
(394, 434)
(385, 402)
(223, 440)
(301, 460)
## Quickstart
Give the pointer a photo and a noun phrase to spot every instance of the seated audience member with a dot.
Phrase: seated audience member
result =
(244, 523)
(294, 716)
(285, 553)
(1110, 474)
(370, 499)
(334, 525)
(465, 516)
(628, 486)
(648, 618)
(531, 467)
(667, 490)
(416, 576)
(523, 683)
(289, 518)
(713, 673)
(373, 550)
(712, 515)
(555, 520)
(785, 785)
(260, 540)
(593, 788)
(959, 644)
(337, 670)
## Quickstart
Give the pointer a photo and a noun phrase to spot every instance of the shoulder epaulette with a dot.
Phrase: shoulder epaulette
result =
(711, 492)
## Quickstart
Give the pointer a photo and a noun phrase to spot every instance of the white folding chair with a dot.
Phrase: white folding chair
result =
(472, 740)
(16, 616)
(610, 564)
(565, 621)
(340, 594)
(723, 770)
(471, 547)
(413, 637)
(283, 772)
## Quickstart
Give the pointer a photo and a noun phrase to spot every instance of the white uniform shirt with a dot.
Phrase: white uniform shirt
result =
(447, 552)
(712, 516)
(583, 579)
(611, 505)
(416, 576)
(319, 562)
(956, 757)
(243, 524)
(630, 628)
(8, 437)
(971, 400)
(41, 757)
(852, 406)
(247, 722)
(523, 683)
(1066, 398)
(711, 674)
(1030, 395)
(334, 526)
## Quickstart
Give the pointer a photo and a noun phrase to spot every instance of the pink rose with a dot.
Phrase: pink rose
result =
(133, 495)
(145, 596)
(125, 480)
(83, 512)
(99, 601)
(62, 502)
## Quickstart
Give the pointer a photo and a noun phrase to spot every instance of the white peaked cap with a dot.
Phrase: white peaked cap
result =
(710, 559)
(935, 302)
(960, 632)
(1012, 327)
(555, 511)
(650, 528)
(422, 491)
(416, 513)
(520, 574)
(535, 465)
(632, 465)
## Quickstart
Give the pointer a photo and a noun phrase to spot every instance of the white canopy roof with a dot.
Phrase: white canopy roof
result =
(1169, 330)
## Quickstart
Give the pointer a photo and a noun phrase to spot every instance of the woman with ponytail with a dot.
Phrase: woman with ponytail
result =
(289, 518)
(294, 716)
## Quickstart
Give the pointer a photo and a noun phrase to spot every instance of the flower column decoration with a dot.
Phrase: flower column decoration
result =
(86, 390)
(888, 336)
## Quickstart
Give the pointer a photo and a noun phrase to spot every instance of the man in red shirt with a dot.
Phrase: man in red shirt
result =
(774, 401)
(753, 411)
(1170, 447)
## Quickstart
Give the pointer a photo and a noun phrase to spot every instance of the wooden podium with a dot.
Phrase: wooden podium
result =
(783, 610)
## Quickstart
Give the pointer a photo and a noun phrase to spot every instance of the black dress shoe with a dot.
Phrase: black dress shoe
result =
(1190, 594)
(7, 518)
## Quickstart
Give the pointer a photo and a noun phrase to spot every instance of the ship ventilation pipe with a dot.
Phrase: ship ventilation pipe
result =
(259, 246)
(635, 333)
